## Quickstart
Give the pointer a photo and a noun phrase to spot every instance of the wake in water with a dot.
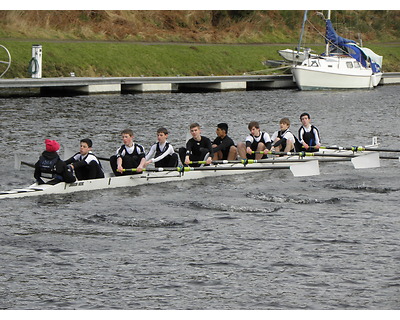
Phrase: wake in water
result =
(137, 223)
(361, 187)
(232, 208)
(289, 199)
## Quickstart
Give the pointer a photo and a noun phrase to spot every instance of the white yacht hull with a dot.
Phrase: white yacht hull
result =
(317, 74)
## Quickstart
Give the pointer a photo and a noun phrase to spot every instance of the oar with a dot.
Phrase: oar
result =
(368, 160)
(68, 153)
(362, 161)
(308, 168)
(251, 161)
(18, 162)
(17, 159)
(389, 158)
(355, 149)
(360, 148)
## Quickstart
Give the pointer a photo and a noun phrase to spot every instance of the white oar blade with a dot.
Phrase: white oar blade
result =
(17, 161)
(188, 136)
(365, 161)
(305, 169)
(68, 153)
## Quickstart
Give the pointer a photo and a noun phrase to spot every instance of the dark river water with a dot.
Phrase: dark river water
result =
(257, 241)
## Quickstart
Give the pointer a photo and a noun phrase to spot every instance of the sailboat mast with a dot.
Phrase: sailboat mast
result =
(327, 43)
(302, 30)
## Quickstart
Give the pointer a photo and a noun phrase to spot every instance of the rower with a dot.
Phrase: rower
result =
(162, 153)
(51, 168)
(130, 155)
(309, 138)
(85, 164)
(223, 146)
(257, 143)
(198, 148)
(283, 139)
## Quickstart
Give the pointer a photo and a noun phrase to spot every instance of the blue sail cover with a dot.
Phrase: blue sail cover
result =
(333, 37)
(351, 47)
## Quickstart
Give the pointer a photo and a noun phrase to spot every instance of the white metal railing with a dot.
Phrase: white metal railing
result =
(6, 62)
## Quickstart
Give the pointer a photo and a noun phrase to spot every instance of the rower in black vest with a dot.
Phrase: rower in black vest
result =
(162, 153)
(129, 156)
(85, 164)
(309, 138)
(283, 140)
(256, 141)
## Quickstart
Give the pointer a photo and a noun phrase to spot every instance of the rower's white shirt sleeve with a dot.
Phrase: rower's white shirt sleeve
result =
(151, 152)
(316, 136)
(91, 158)
(117, 152)
(249, 138)
(289, 136)
(301, 133)
(274, 136)
(267, 138)
(169, 151)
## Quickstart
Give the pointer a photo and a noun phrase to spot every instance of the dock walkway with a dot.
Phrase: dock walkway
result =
(102, 85)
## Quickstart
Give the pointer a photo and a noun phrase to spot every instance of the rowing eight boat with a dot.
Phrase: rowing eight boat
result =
(302, 168)
(305, 164)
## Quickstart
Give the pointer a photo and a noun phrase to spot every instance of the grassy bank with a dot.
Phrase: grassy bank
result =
(105, 43)
(113, 59)
(200, 26)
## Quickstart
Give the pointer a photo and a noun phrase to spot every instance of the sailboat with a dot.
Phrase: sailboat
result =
(298, 55)
(344, 65)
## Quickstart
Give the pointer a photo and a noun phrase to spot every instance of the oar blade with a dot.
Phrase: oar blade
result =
(305, 169)
(17, 161)
(366, 161)
(68, 153)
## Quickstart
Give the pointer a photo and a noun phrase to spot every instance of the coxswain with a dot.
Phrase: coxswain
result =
(51, 168)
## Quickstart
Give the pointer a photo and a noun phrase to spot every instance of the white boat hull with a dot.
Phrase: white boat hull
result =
(295, 56)
(318, 74)
(111, 181)
(299, 167)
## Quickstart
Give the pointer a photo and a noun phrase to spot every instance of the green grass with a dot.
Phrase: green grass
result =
(114, 59)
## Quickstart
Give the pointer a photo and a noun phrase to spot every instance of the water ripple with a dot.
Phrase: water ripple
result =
(137, 223)
(361, 187)
(290, 199)
(232, 208)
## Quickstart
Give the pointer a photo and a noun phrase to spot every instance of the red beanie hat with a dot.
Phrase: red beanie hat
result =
(52, 145)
